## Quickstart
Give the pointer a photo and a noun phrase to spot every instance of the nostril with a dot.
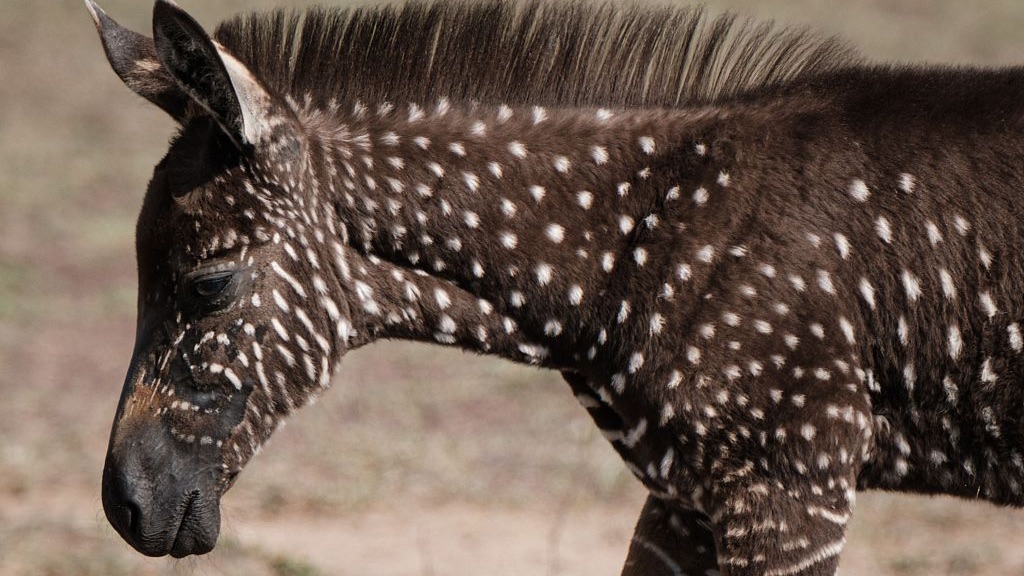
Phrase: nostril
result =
(131, 516)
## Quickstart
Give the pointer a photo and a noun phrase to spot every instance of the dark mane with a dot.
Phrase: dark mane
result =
(537, 52)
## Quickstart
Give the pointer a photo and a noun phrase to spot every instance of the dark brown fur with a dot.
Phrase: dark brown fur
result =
(771, 274)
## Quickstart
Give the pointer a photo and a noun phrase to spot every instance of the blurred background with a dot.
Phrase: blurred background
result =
(419, 460)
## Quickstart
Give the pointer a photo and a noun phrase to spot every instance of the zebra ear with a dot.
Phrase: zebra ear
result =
(133, 57)
(211, 76)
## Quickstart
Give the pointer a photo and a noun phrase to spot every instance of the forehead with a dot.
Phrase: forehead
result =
(194, 199)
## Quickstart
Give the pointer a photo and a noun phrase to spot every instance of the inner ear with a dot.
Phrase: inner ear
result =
(190, 57)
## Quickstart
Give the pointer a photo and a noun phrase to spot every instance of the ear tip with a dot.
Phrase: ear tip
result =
(166, 4)
(95, 11)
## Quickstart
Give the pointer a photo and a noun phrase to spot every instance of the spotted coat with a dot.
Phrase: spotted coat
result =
(766, 299)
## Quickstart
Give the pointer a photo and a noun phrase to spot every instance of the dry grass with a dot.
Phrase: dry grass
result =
(419, 460)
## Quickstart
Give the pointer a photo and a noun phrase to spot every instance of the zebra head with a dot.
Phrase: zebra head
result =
(238, 264)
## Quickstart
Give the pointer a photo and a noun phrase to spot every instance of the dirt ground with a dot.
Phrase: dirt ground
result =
(418, 461)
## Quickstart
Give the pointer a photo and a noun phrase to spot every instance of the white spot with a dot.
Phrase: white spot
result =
(624, 309)
(684, 272)
(233, 378)
(539, 114)
(457, 148)
(859, 191)
(599, 154)
(988, 304)
(575, 294)
(442, 298)
(562, 164)
(825, 282)
(508, 208)
(1016, 342)
(552, 328)
(626, 224)
(961, 224)
(447, 324)
(867, 292)
(911, 285)
(517, 299)
(472, 219)
(537, 192)
(584, 199)
(603, 114)
(485, 307)
(657, 323)
(518, 149)
(508, 240)
(504, 113)
(700, 196)
(883, 229)
(640, 256)
(847, 328)
(843, 245)
(280, 301)
(987, 375)
(636, 361)
(607, 261)
(934, 236)
(288, 278)
(907, 182)
(472, 181)
(646, 144)
(956, 343)
(693, 354)
(948, 288)
(755, 368)
(706, 254)
(797, 282)
(903, 330)
(555, 233)
(544, 273)
(985, 256)
(706, 331)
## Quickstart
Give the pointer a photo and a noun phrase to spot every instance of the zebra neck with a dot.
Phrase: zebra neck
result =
(473, 221)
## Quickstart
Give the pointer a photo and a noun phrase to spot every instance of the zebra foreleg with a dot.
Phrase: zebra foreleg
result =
(670, 542)
(769, 529)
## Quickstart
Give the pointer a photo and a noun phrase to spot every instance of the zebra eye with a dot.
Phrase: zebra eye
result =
(211, 285)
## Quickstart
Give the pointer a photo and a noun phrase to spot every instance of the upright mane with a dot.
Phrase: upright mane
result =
(539, 52)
